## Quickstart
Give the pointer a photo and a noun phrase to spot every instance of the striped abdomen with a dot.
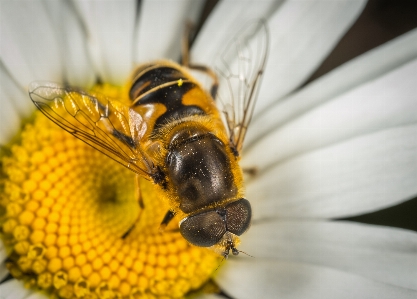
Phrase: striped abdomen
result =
(167, 92)
(197, 162)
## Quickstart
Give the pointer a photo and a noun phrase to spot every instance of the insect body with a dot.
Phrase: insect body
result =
(172, 133)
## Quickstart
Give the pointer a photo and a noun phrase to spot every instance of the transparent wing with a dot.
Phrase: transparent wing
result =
(240, 67)
(107, 125)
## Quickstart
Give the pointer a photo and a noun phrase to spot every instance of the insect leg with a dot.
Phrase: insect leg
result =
(186, 44)
(167, 218)
(141, 206)
(252, 171)
(124, 236)
(209, 72)
(186, 60)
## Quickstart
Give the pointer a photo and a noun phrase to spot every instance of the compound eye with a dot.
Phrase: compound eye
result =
(239, 214)
(204, 230)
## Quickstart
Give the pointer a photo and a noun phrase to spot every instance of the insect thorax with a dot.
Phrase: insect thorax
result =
(199, 166)
(198, 162)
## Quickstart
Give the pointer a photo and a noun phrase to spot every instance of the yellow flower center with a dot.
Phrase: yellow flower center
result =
(64, 209)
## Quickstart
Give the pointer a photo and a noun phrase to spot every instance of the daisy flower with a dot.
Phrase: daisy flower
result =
(338, 146)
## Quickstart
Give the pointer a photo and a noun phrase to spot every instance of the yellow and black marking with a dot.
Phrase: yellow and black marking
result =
(197, 166)
(169, 131)
(171, 92)
(171, 97)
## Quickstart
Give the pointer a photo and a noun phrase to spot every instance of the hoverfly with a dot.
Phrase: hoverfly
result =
(173, 134)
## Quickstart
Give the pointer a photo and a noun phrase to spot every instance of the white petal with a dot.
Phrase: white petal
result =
(210, 296)
(385, 102)
(360, 175)
(227, 17)
(110, 28)
(356, 72)
(161, 28)
(10, 95)
(15, 93)
(13, 289)
(3, 272)
(72, 40)
(303, 33)
(3, 256)
(2, 253)
(28, 47)
(379, 253)
(278, 279)
(37, 296)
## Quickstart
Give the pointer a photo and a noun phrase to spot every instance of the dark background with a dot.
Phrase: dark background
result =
(381, 21)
